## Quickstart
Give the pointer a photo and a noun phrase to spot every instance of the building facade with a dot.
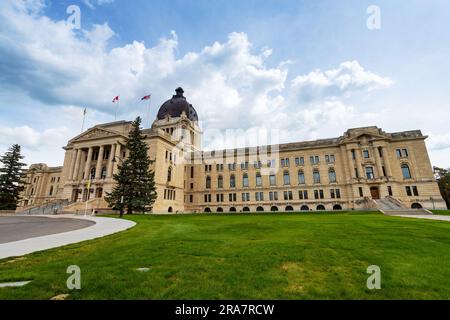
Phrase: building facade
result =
(353, 171)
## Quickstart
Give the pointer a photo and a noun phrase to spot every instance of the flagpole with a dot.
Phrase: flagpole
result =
(149, 103)
(84, 117)
(115, 112)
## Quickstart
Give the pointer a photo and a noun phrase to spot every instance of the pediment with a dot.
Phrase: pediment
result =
(95, 133)
(364, 135)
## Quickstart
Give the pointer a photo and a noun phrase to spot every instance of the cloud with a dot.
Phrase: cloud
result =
(348, 78)
(230, 83)
(92, 3)
(439, 141)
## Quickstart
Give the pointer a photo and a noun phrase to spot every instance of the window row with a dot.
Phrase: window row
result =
(169, 194)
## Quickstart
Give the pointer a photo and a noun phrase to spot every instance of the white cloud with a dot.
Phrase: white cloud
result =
(439, 141)
(228, 84)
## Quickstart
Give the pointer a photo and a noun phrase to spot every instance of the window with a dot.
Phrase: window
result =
(406, 172)
(244, 165)
(246, 196)
(286, 178)
(321, 194)
(353, 154)
(332, 194)
(257, 164)
(356, 173)
(219, 197)
(270, 163)
(191, 198)
(273, 195)
(329, 158)
(272, 180)
(285, 162)
(192, 172)
(316, 176)
(305, 194)
(103, 174)
(361, 194)
(232, 166)
(338, 193)
(232, 181)
(219, 167)
(258, 179)
(415, 191)
(402, 153)
(220, 182)
(169, 174)
(316, 194)
(106, 154)
(51, 191)
(287, 195)
(369, 173)
(366, 154)
(301, 177)
(208, 182)
(92, 176)
(314, 159)
(245, 180)
(232, 197)
(384, 171)
(332, 175)
(300, 194)
(259, 196)
(299, 161)
(408, 191)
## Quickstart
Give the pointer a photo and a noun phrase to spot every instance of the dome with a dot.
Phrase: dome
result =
(175, 106)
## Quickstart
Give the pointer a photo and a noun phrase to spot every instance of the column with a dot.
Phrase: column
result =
(386, 161)
(98, 168)
(358, 163)
(87, 166)
(110, 162)
(76, 172)
(117, 157)
(351, 164)
(378, 162)
(72, 164)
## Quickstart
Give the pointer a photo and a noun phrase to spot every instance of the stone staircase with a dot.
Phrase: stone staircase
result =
(392, 206)
(53, 207)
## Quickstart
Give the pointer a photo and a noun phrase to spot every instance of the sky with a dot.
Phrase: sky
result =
(256, 71)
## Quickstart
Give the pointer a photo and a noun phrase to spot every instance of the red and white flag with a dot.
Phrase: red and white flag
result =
(116, 99)
(146, 97)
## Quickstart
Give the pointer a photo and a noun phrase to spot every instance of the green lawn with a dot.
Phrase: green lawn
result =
(441, 212)
(252, 256)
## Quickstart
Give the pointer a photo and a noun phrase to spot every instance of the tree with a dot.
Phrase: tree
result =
(135, 185)
(11, 174)
(443, 178)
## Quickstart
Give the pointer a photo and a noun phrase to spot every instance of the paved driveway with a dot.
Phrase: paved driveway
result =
(20, 228)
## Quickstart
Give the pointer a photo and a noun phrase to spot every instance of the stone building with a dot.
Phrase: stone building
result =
(358, 170)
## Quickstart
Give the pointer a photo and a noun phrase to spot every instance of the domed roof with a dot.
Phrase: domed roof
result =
(175, 106)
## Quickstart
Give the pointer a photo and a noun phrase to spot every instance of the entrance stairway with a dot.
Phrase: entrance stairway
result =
(392, 206)
(52, 207)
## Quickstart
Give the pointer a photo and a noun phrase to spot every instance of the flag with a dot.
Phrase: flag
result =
(84, 112)
(146, 97)
(88, 184)
(116, 99)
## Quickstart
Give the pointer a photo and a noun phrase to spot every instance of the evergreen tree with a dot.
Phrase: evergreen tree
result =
(443, 178)
(135, 185)
(11, 173)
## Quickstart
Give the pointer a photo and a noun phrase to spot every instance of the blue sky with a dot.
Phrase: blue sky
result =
(309, 68)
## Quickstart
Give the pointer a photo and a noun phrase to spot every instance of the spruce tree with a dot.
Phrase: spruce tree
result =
(11, 173)
(135, 185)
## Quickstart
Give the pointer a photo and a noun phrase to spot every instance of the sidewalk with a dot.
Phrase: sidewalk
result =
(101, 228)
(430, 217)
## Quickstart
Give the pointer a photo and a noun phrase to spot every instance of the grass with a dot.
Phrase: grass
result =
(441, 212)
(247, 256)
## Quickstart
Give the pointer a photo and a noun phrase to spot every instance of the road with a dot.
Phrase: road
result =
(20, 228)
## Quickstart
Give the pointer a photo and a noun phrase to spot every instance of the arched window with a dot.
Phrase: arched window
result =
(169, 174)
(258, 179)
(219, 209)
(232, 181)
(304, 208)
(246, 209)
(337, 207)
(92, 173)
(416, 205)
(274, 208)
(316, 176)
(332, 175)
(320, 207)
(207, 210)
(406, 172)
(208, 182)
(289, 208)
(245, 180)
(301, 177)
(220, 182)
(259, 209)
(232, 209)
(103, 175)
(286, 178)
